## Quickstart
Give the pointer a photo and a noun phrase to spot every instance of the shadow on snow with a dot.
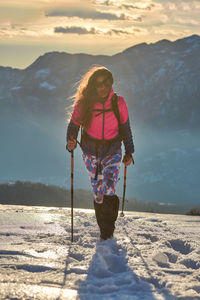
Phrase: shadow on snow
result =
(110, 277)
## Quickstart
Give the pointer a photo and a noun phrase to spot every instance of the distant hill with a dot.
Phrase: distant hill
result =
(194, 211)
(37, 194)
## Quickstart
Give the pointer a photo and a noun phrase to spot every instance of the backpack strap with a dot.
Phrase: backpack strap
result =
(101, 111)
(115, 108)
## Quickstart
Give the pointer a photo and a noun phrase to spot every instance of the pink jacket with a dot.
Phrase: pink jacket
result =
(110, 128)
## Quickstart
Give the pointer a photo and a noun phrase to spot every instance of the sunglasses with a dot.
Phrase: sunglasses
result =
(106, 82)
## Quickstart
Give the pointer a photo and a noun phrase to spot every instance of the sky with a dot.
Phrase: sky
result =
(31, 28)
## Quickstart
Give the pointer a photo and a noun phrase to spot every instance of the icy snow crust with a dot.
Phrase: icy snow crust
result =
(153, 256)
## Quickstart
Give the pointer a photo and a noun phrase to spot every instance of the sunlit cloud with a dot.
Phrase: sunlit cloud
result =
(118, 32)
(84, 30)
(172, 6)
(148, 5)
(187, 21)
(132, 31)
(104, 2)
(164, 18)
(165, 32)
(19, 14)
(196, 4)
(186, 6)
(76, 30)
(19, 32)
(87, 14)
(140, 6)
(181, 6)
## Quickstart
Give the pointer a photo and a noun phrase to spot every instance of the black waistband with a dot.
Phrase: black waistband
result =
(98, 141)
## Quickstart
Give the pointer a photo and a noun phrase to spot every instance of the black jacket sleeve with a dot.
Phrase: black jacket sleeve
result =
(126, 134)
(72, 130)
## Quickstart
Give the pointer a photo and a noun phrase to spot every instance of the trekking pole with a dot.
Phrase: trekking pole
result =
(72, 193)
(124, 191)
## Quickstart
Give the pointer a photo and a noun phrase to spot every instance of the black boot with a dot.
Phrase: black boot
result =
(106, 215)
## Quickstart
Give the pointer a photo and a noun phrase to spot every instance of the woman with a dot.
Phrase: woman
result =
(102, 133)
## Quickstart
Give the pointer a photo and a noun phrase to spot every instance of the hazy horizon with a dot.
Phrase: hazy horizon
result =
(24, 63)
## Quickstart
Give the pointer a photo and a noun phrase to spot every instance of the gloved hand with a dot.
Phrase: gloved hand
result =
(128, 159)
(71, 144)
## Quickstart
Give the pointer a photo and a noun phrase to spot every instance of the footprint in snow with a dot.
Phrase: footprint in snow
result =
(171, 257)
(77, 256)
(180, 246)
(155, 220)
(196, 289)
(32, 268)
(191, 264)
(108, 259)
(150, 237)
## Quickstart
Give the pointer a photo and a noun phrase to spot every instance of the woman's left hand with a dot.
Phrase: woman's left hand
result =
(127, 160)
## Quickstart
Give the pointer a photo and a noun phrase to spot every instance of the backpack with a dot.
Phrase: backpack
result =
(115, 108)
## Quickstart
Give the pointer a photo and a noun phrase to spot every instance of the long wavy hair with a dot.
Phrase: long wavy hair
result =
(86, 94)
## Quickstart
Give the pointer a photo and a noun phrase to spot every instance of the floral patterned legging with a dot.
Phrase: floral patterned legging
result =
(107, 178)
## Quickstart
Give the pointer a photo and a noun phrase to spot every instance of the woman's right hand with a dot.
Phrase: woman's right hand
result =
(71, 144)
(128, 159)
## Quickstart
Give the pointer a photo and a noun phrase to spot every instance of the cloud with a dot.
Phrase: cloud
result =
(93, 30)
(172, 6)
(86, 14)
(83, 30)
(196, 4)
(127, 6)
(181, 6)
(102, 2)
(75, 29)
(186, 6)
(106, 2)
(166, 32)
(132, 31)
(138, 6)
(17, 13)
(118, 32)
(164, 18)
(187, 22)
(13, 31)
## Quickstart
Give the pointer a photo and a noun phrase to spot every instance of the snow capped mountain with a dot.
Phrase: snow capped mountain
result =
(161, 84)
(160, 81)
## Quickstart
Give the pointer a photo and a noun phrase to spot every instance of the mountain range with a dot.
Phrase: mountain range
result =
(159, 81)
(161, 85)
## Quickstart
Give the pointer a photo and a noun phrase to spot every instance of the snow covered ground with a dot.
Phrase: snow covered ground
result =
(153, 256)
